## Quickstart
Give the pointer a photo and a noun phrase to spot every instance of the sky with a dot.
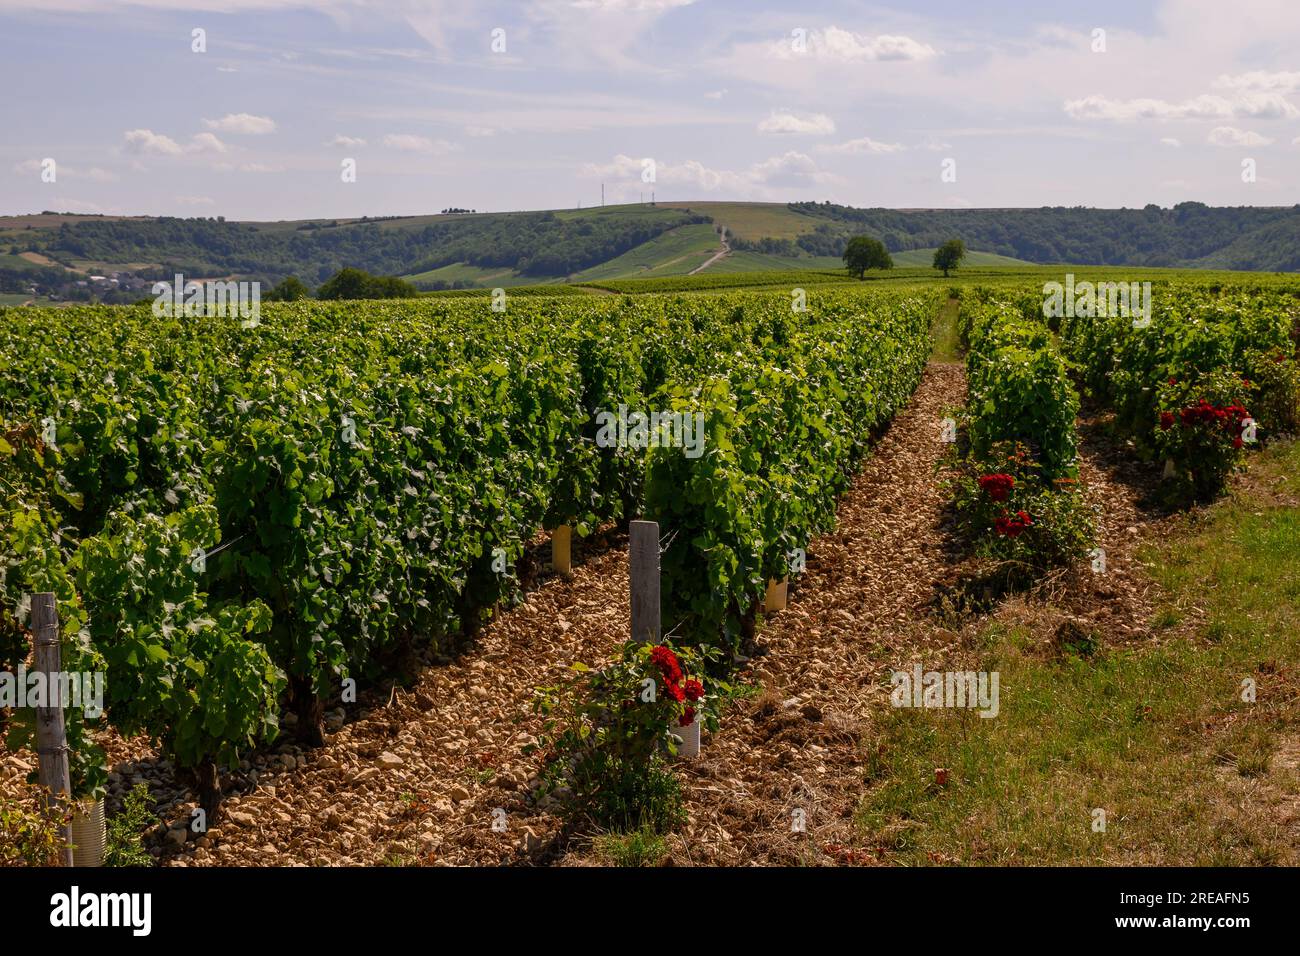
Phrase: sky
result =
(258, 109)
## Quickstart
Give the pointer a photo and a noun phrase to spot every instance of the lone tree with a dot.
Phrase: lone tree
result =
(863, 253)
(352, 283)
(949, 254)
(290, 289)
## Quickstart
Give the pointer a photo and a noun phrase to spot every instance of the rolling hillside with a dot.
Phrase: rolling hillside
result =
(483, 250)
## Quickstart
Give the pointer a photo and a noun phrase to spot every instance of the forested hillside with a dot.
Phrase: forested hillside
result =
(531, 243)
(492, 249)
(1189, 234)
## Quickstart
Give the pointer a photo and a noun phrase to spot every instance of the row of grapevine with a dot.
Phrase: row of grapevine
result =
(1016, 489)
(1212, 370)
(1018, 383)
(231, 510)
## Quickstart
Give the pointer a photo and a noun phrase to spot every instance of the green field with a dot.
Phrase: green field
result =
(714, 280)
(674, 253)
(752, 220)
(462, 272)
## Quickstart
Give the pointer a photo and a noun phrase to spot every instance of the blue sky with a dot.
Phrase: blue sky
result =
(853, 102)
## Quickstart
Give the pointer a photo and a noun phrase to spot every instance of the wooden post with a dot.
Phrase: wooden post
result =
(51, 735)
(561, 550)
(775, 598)
(643, 572)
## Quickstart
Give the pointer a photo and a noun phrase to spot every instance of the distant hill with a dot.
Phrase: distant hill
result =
(609, 242)
(1190, 234)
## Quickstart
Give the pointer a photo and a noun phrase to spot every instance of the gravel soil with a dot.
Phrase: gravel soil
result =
(433, 773)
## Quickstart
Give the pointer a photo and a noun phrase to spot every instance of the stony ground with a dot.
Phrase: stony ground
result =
(434, 773)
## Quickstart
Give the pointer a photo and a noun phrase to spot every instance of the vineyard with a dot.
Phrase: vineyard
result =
(254, 529)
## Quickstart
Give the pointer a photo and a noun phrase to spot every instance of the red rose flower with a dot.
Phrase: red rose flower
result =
(673, 692)
(1166, 420)
(693, 690)
(1011, 527)
(687, 718)
(666, 661)
(998, 487)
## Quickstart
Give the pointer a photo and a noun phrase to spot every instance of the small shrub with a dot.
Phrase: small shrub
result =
(1274, 388)
(609, 731)
(1012, 514)
(30, 835)
(641, 847)
(1201, 428)
(126, 829)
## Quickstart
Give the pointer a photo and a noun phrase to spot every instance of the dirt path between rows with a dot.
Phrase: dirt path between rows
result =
(423, 774)
(861, 610)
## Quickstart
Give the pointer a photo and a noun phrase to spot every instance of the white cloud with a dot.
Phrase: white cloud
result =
(346, 142)
(783, 121)
(147, 141)
(788, 169)
(1204, 107)
(480, 131)
(417, 144)
(715, 94)
(863, 144)
(205, 143)
(1171, 141)
(791, 169)
(1231, 136)
(1260, 81)
(195, 201)
(834, 43)
(244, 124)
(621, 165)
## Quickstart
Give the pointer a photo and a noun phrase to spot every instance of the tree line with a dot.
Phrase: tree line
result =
(1190, 234)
